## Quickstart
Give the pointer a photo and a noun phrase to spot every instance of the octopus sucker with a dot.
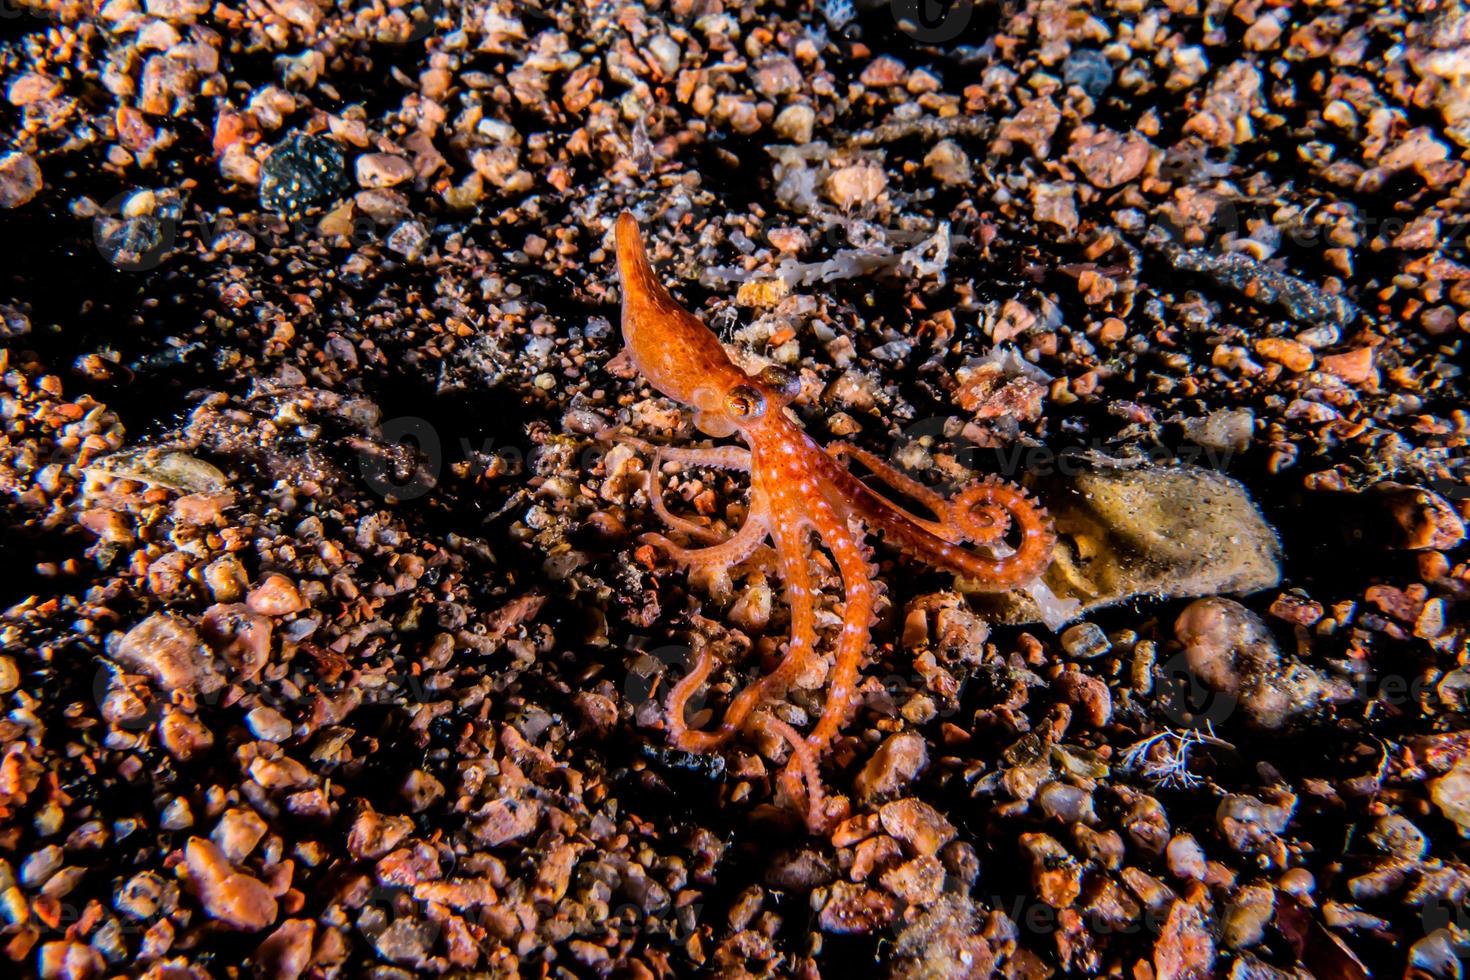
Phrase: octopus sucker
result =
(802, 497)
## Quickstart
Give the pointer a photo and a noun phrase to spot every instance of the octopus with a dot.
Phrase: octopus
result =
(801, 495)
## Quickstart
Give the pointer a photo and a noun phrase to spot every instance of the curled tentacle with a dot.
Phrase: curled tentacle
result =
(1038, 536)
(803, 764)
(730, 552)
(715, 457)
(959, 520)
(799, 650)
(656, 500)
(984, 512)
(679, 732)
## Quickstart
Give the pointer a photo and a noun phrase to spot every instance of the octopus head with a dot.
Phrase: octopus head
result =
(682, 358)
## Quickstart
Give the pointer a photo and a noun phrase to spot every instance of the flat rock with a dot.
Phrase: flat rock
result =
(1162, 531)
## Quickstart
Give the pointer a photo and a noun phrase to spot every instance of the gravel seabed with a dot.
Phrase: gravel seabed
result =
(330, 645)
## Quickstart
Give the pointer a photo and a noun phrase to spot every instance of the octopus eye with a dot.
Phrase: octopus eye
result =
(745, 402)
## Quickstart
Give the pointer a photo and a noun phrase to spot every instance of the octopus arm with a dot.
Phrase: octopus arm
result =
(792, 558)
(702, 457)
(730, 552)
(902, 483)
(857, 619)
(993, 502)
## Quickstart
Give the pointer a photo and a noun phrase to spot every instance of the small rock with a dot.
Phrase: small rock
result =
(799, 871)
(169, 651)
(854, 185)
(1230, 649)
(883, 71)
(383, 170)
(177, 11)
(421, 790)
(852, 908)
(762, 293)
(917, 882)
(1066, 803)
(896, 763)
(373, 834)
(1247, 916)
(1085, 641)
(241, 637)
(286, 953)
(1355, 367)
(505, 820)
(276, 595)
(1054, 204)
(1090, 70)
(237, 833)
(795, 123)
(1421, 519)
(1185, 949)
(183, 735)
(301, 172)
(1055, 873)
(20, 180)
(68, 960)
(1451, 793)
(231, 896)
(268, 724)
(776, 76)
(917, 824)
(1226, 430)
(32, 87)
(408, 239)
(13, 323)
(1108, 159)
(1395, 834)
(1248, 823)
(1290, 354)
(949, 163)
(1186, 858)
(1088, 693)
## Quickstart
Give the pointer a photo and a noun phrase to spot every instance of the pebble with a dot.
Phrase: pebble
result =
(854, 185)
(1290, 354)
(892, 767)
(1085, 641)
(1247, 916)
(795, 123)
(286, 953)
(170, 651)
(20, 180)
(949, 163)
(883, 71)
(302, 172)
(917, 824)
(1232, 651)
(383, 170)
(68, 960)
(268, 724)
(276, 595)
(237, 833)
(233, 897)
(1090, 70)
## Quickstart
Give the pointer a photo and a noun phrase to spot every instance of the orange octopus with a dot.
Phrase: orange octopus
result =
(799, 490)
